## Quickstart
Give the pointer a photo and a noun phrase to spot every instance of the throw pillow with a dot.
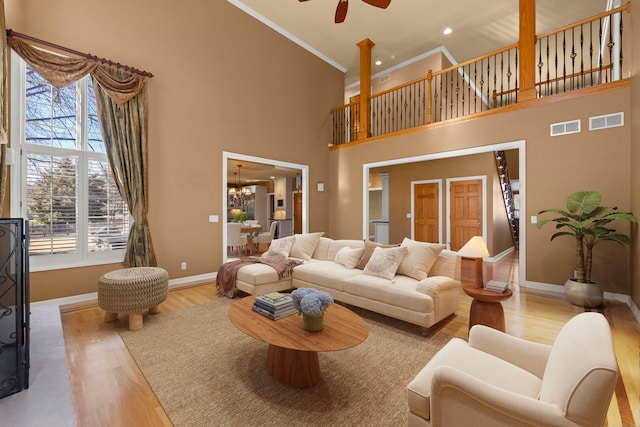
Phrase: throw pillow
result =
(447, 264)
(304, 245)
(419, 258)
(384, 262)
(349, 257)
(280, 247)
(369, 246)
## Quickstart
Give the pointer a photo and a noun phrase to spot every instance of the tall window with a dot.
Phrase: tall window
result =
(75, 212)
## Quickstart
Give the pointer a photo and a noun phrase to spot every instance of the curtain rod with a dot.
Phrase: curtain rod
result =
(11, 33)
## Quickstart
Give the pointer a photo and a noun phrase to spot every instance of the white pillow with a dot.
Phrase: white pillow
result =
(280, 247)
(304, 245)
(384, 262)
(349, 257)
(419, 259)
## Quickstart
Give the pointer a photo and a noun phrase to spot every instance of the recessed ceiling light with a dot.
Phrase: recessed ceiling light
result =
(378, 62)
(447, 31)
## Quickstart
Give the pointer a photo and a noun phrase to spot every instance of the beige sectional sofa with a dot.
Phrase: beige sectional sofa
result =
(424, 299)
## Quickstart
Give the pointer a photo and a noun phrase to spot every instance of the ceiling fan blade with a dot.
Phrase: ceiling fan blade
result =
(341, 11)
(383, 4)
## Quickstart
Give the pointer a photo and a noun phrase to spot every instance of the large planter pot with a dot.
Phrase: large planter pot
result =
(312, 323)
(588, 295)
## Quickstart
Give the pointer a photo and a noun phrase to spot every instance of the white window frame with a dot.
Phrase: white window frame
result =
(17, 160)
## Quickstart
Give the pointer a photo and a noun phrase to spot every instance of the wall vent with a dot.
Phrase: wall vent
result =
(607, 121)
(385, 78)
(565, 128)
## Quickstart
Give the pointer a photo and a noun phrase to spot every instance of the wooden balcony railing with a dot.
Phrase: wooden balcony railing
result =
(584, 54)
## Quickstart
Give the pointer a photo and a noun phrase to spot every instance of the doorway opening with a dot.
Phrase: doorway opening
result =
(279, 202)
(515, 145)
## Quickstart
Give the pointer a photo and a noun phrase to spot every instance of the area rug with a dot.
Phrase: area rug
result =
(205, 372)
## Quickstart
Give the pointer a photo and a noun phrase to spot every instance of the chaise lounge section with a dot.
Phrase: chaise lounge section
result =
(423, 289)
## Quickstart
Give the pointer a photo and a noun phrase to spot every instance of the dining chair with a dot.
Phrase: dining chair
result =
(267, 237)
(235, 239)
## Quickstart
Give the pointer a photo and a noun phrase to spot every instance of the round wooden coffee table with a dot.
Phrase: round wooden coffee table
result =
(485, 307)
(292, 357)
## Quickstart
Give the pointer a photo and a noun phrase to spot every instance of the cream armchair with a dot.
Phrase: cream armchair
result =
(499, 380)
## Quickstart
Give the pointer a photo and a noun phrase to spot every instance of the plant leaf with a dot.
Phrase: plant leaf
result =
(583, 201)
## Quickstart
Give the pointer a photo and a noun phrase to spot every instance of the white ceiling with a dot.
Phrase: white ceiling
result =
(410, 28)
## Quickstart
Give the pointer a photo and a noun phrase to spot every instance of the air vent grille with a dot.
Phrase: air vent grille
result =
(607, 121)
(565, 128)
(385, 78)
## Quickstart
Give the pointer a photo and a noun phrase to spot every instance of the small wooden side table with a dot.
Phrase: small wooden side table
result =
(485, 307)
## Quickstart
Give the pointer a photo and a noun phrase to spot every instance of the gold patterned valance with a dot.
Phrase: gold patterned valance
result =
(61, 71)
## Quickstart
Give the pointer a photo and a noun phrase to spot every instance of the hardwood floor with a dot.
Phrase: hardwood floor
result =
(109, 390)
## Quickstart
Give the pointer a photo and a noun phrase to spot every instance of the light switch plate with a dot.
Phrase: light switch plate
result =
(213, 218)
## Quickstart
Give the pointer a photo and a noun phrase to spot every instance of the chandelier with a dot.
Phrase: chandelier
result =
(238, 195)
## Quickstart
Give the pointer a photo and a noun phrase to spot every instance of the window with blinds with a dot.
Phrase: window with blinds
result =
(75, 211)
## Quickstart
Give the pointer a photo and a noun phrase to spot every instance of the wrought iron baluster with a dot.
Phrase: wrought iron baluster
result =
(600, 52)
(573, 59)
(582, 79)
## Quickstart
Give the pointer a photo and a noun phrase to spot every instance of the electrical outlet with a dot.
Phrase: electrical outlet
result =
(183, 266)
(534, 219)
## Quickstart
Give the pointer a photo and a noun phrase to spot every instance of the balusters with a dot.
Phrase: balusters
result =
(566, 61)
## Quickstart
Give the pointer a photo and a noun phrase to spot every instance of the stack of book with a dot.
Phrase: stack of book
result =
(494, 286)
(274, 305)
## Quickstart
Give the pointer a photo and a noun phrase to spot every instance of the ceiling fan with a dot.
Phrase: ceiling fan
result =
(341, 9)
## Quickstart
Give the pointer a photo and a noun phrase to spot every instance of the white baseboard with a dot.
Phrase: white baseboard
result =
(634, 309)
(78, 302)
(499, 256)
(557, 291)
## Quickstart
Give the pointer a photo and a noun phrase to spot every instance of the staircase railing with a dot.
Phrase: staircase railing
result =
(508, 196)
(584, 54)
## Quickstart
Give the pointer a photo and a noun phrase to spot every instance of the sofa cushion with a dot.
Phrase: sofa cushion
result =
(447, 264)
(336, 245)
(369, 247)
(304, 245)
(384, 262)
(280, 247)
(483, 366)
(399, 292)
(322, 248)
(327, 274)
(419, 258)
(349, 257)
(257, 274)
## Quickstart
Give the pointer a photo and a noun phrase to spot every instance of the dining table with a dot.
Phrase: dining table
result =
(251, 230)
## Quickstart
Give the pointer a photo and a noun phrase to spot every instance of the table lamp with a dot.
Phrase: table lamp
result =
(475, 248)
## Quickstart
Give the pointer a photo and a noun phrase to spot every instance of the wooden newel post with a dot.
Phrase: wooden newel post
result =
(365, 87)
(429, 96)
(527, 47)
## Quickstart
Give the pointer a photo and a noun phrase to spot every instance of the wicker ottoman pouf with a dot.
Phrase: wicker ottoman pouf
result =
(132, 290)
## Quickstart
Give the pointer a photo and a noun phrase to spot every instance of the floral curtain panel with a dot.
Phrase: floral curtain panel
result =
(122, 108)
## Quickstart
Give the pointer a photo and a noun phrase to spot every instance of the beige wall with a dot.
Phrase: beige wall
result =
(634, 123)
(223, 82)
(555, 167)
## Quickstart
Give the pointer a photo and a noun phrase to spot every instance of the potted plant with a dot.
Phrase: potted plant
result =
(311, 304)
(241, 217)
(587, 222)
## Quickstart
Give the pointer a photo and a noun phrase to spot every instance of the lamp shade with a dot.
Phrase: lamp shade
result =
(474, 248)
